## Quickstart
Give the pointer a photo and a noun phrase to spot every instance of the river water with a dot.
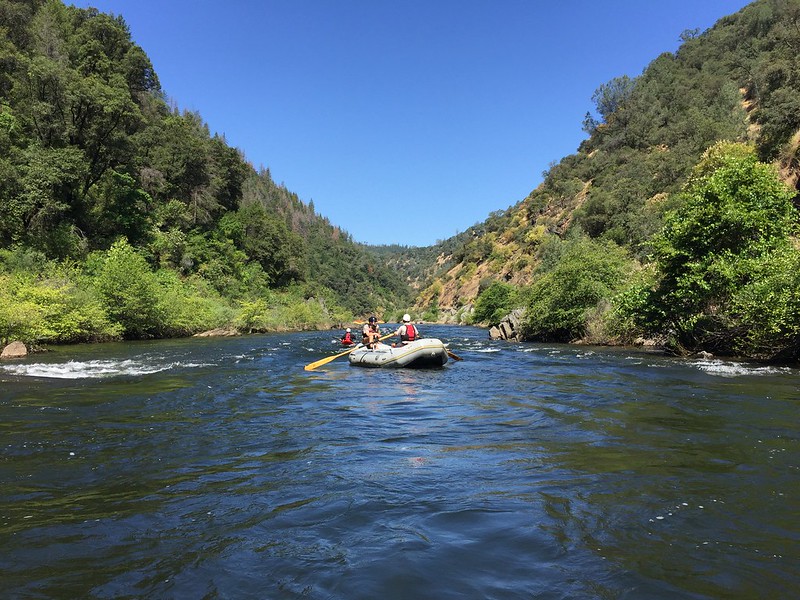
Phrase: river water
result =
(219, 468)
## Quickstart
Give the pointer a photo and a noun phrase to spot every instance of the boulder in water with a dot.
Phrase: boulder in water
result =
(510, 328)
(14, 350)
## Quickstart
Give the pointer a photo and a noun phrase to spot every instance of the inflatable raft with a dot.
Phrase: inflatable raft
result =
(427, 352)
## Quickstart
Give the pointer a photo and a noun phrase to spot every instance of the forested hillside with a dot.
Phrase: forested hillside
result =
(638, 232)
(120, 214)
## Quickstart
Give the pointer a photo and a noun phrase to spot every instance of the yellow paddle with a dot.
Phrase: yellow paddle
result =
(453, 355)
(327, 359)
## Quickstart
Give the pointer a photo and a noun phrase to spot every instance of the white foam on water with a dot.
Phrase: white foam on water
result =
(485, 350)
(548, 349)
(92, 369)
(736, 369)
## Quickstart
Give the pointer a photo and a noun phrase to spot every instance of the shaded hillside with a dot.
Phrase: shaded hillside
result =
(92, 152)
(738, 81)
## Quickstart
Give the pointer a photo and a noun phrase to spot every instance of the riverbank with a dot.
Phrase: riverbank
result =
(18, 349)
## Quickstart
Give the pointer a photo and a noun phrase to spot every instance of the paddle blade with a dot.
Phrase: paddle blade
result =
(327, 359)
(453, 355)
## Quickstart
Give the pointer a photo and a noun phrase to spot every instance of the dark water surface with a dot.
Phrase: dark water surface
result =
(219, 468)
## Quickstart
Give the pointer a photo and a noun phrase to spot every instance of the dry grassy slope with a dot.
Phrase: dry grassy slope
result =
(513, 262)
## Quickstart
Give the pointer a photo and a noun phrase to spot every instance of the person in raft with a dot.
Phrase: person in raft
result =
(347, 338)
(407, 332)
(371, 333)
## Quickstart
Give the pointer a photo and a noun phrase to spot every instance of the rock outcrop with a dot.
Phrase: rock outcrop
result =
(510, 328)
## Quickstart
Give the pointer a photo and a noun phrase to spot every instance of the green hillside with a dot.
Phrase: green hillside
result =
(112, 200)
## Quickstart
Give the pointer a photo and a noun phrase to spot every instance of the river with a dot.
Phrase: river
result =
(219, 468)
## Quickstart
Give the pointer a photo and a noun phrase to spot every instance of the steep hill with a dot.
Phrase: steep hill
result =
(91, 151)
(739, 81)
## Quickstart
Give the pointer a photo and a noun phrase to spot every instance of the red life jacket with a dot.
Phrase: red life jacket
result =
(411, 333)
(347, 339)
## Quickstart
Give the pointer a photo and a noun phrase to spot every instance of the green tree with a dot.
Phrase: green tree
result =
(735, 215)
(179, 155)
(494, 303)
(612, 96)
(43, 207)
(559, 301)
(122, 208)
(130, 291)
(267, 240)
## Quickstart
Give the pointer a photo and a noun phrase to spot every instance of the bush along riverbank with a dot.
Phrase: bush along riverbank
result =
(116, 295)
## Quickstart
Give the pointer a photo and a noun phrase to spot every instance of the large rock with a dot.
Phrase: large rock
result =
(219, 332)
(14, 350)
(510, 328)
(656, 342)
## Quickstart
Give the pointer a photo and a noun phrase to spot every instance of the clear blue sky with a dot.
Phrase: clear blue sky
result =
(404, 121)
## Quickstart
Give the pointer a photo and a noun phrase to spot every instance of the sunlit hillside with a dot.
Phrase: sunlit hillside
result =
(739, 81)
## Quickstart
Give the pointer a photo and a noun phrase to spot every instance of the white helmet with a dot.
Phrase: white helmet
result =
(406, 318)
(347, 330)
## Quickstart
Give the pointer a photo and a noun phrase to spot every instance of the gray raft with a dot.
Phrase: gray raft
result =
(424, 353)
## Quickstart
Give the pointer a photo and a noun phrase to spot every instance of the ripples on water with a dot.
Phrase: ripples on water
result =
(220, 469)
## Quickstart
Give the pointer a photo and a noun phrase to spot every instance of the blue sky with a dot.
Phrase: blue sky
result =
(404, 121)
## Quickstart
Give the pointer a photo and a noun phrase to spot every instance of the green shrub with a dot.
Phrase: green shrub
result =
(19, 319)
(721, 255)
(297, 307)
(431, 315)
(494, 303)
(53, 309)
(560, 301)
(187, 306)
(766, 311)
(130, 291)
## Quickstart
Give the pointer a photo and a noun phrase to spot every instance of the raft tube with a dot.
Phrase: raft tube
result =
(424, 353)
